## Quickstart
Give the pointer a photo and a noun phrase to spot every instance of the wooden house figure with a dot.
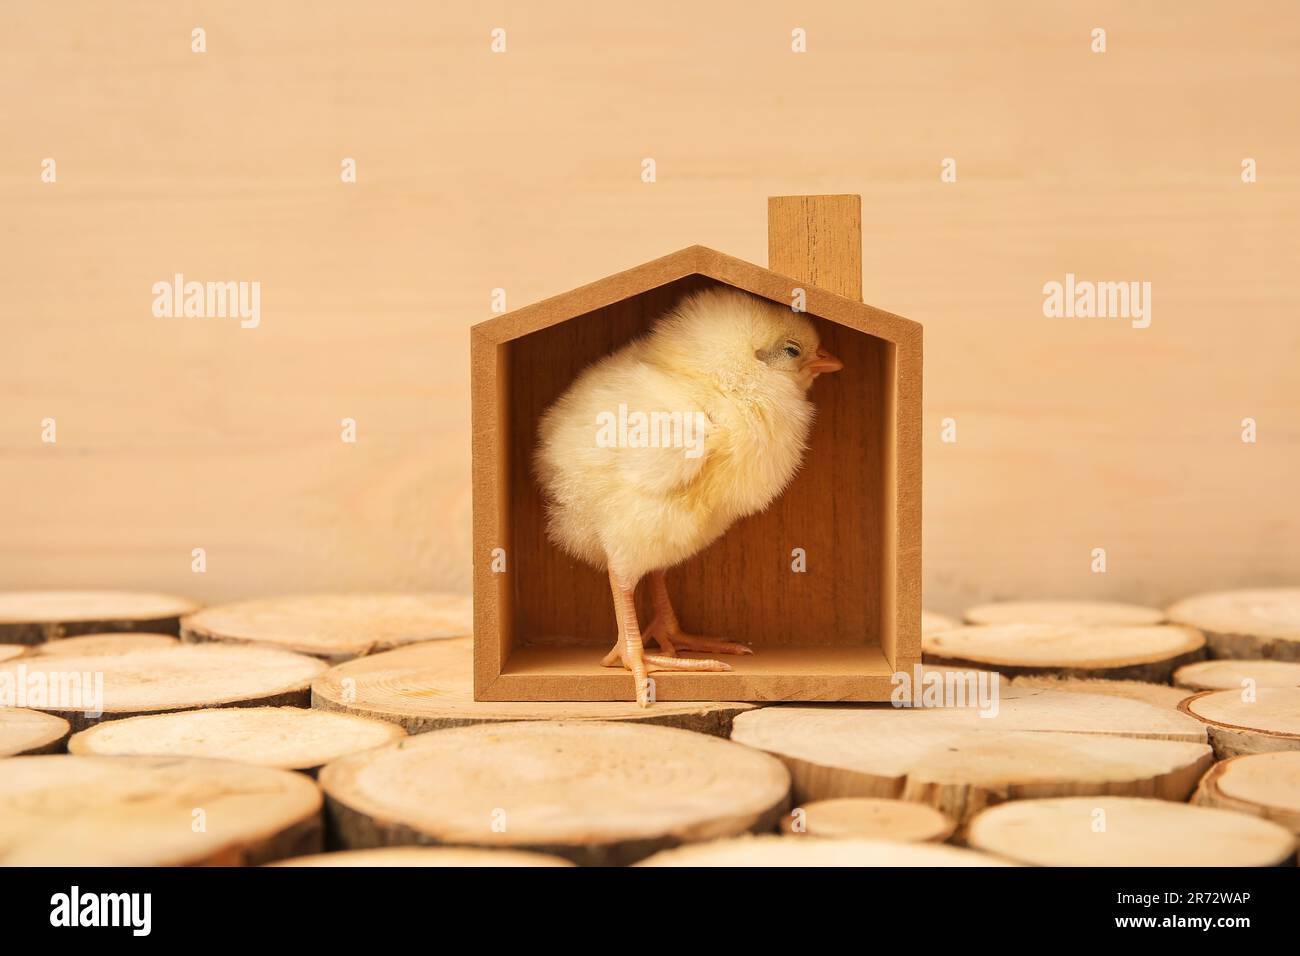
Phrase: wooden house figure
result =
(825, 584)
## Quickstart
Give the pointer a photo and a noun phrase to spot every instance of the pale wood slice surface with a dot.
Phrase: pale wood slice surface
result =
(1235, 674)
(1148, 653)
(431, 687)
(1040, 743)
(778, 851)
(865, 818)
(932, 623)
(1081, 613)
(591, 792)
(1267, 785)
(1162, 695)
(150, 682)
(335, 627)
(10, 651)
(426, 856)
(107, 644)
(1239, 723)
(291, 738)
(1122, 831)
(153, 811)
(30, 732)
(30, 617)
(1263, 622)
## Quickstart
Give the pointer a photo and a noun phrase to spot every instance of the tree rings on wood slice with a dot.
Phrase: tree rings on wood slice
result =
(335, 627)
(30, 732)
(1038, 743)
(107, 644)
(864, 818)
(87, 688)
(427, 856)
(1264, 622)
(291, 738)
(1123, 831)
(1080, 613)
(932, 623)
(1264, 720)
(1237, 674)
(776, 851)
(146, 811)
(591, 792)
(1267, 785)
(1162, 695)
(1149, 653)
(9, 651)
(30, 617)
(431, 687)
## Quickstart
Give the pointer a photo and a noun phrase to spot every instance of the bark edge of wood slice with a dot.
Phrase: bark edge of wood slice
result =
(1247, 623)
(1268, 722)
(65, 810)
(1266, 785)
(591, 792)
(1127, 831)
(25, 731)
(32, 617)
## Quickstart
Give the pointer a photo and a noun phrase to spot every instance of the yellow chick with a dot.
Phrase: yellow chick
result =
(656, 450)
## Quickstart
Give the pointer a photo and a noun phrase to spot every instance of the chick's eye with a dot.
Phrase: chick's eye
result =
(791, 350)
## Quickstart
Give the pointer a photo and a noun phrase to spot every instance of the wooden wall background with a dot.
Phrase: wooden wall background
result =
(522, 171)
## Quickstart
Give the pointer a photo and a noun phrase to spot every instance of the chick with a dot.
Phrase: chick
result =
(722, 381)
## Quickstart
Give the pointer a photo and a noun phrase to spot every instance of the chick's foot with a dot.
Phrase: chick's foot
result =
(671, 642)
(644, 663)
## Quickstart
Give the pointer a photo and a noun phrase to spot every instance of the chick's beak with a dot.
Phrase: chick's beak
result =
(824, 362)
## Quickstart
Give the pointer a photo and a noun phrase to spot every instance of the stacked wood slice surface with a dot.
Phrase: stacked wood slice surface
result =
(865, 818)
(1040, 743)
(153, 811)
(932, 623)
(335, 627)
(107, 644)
(1148, 653)
(158, 681)
(1257, 623)
(30, 732)
(1262, 720)
(30, 617)
(777, 851)
(10, 651)
(591, 792)
(1230, 674)
(426, 856)
(1077, 613)
(1162, 695)
(1123, 831)
(431, 687)
(1266, 785)
(291, 738)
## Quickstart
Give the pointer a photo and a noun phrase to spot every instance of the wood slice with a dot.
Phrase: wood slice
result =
(776, 851)
(1040, 743)
(1162, 695)
(1267, 785)
(9, 651)
(153, 811)
(932, 623)
(335, 627)
(291, 738)
(426, 856)
(152, 682)
(107, 644)
(591, 792)
(30, 732)
(1123, 831)
(1149, 654)
(431, 687)
(1078, 613)
(30, 617)
(864, 818)
(1263, 622)
(1267, 721)
(1235, 674)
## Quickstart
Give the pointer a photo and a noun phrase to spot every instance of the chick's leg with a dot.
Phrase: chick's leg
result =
(629, 651)
(668, 634)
